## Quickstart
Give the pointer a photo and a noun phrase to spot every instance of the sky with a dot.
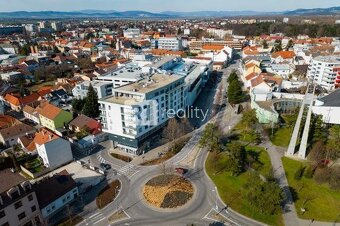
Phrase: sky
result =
(163, 5)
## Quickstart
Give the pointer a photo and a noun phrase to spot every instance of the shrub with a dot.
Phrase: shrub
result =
(322, 175)
(334, 180)
(299, 173)
(309, 172)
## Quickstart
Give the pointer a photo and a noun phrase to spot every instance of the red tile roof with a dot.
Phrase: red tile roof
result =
(44, 136)
(50, 111)
(284, 54)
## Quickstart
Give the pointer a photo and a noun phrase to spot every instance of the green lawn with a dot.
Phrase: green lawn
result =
(324, 204)
(281, 136)
(263, 166)
(230, 188)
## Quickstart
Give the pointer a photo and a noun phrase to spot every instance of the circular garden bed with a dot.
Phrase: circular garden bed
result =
(168, 191)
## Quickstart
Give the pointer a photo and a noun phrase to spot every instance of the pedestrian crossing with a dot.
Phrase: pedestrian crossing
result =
(100, 158)
(127, 169)
(95, 219)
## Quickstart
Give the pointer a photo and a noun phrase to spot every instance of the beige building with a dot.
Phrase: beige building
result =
(18, 202)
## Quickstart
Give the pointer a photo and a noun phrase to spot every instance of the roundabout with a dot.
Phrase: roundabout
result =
(168, 191)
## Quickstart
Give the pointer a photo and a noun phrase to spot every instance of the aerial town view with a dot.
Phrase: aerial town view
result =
(179, 113)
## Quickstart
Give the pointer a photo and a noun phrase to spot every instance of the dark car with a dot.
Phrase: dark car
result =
(181, 170)
(105, 166)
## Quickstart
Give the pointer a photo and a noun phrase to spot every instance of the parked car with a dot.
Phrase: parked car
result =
(105, 166)
(181, 170)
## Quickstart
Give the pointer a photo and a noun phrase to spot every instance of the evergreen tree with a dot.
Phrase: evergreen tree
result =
(235, 92)
(278, 46)
(264, 44)
(91, 106)
(78, 104)
(290, 44)
(232, 77)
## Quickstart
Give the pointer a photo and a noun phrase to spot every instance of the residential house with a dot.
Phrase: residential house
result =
(53, 117)
(82, 122)
(263, 86)
(55, 193)
(17, 103)
(283, 57)
(7, 121)
(31, 65)
(27, 144)
(9, 136)
(31, 113)
(283, 70)
(218, 53)
(18, 201)
(59, 97)
(54, 150)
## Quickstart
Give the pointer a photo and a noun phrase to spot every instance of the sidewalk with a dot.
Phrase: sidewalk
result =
(154, 153)
(289, 211)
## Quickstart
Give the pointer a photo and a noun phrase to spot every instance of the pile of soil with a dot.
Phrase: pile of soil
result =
(168, 191)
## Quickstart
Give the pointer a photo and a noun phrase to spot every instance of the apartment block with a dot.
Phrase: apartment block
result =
(323, 70)
(102, 88)
(139, 109)
(169, 43)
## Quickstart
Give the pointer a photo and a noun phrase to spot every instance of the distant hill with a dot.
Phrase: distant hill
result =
(82, 14)
(217, 13)
(316, 11)
(89, 13)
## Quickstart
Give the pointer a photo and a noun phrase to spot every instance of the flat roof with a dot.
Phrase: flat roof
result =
(129, 71)
(145, 85)
(329, 59)
(121, 100)
(95, 83)
(162, 61)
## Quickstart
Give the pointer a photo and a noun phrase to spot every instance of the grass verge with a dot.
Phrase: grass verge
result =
(319, 200)
(231, 188)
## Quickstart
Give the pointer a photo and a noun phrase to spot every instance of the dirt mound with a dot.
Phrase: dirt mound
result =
(168, 191)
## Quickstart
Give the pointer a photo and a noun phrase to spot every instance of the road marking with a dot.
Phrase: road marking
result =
(94, 215)
(99, 220)
(133, 173)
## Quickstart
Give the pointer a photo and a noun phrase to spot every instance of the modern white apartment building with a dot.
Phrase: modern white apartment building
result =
(169, 43)
(102, 88)
(324, 70)
(139, 109)
(195, 72)
(132, 33)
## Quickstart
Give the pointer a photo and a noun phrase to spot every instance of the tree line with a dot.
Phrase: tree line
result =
(291, 30)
